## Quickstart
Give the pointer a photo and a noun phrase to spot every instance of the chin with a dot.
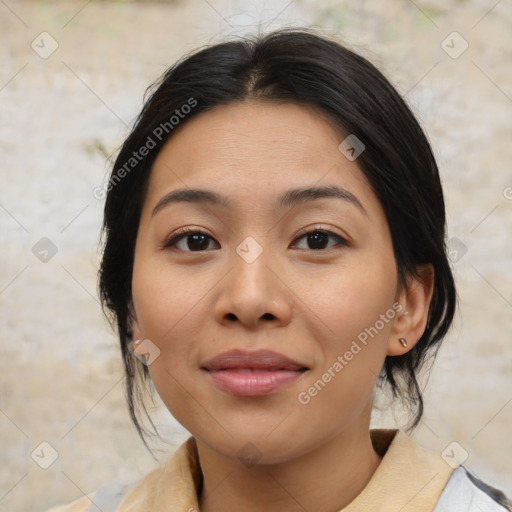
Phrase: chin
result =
(255, 447)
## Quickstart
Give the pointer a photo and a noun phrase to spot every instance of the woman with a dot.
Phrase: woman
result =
(274, 250)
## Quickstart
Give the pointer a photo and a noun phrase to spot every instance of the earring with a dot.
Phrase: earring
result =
(403, 341)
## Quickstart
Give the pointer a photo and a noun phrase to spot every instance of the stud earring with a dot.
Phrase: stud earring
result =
(403, 341)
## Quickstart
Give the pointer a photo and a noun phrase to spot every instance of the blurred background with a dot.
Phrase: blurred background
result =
(72, 79)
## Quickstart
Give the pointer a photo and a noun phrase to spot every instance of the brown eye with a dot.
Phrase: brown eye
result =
(319, 240)
(191, 241)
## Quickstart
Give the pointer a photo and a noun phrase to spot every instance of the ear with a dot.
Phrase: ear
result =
(134, 324)
(411, 320)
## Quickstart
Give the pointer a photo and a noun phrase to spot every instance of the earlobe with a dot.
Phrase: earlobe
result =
(403, 342)
(411, 322)
(134, 324)
(137, 335)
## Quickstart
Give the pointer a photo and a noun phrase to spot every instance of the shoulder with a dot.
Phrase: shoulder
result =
(464, 491)
(176, 480)
(79, 505)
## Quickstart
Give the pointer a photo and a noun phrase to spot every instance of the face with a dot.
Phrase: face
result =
(257, 264)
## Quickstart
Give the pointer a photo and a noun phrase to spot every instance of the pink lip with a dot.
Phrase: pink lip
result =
(252, 373)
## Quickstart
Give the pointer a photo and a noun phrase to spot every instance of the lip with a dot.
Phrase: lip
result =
(259, 373)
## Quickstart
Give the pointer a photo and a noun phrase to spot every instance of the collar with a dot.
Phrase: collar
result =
(409, 478)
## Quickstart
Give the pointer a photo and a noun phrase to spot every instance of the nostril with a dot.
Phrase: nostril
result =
(231, 316)
(268, 316)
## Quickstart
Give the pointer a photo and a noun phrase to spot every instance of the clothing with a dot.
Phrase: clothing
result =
(409, 478)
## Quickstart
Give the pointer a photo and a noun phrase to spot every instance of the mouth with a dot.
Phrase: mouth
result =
(260, 373)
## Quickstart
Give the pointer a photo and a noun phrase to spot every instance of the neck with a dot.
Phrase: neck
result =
(325, 480)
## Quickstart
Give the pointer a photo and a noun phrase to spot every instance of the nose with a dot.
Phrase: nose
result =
(253, 295)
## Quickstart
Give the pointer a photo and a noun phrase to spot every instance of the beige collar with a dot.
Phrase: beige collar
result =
(409, 478)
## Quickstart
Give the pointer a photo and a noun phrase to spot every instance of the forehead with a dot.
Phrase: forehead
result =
(253, 150)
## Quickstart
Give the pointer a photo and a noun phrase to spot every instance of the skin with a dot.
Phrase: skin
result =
(304, 303)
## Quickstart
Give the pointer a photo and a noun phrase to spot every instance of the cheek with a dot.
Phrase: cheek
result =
(353, 297)
(164, 297)
(168, 304)
(352, 306)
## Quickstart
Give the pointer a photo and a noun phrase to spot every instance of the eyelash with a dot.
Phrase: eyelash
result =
(184, 232)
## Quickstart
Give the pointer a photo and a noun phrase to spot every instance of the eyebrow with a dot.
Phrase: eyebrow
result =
(289, 199)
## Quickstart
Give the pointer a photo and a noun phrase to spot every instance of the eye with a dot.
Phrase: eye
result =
(190, 240)
(320, 239)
